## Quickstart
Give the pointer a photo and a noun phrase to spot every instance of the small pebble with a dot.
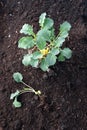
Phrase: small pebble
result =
(9, 35)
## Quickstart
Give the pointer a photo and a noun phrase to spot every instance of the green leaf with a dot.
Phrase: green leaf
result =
(52, 34)
(61, 58)
(37, 55)
(42, 37)
(13, 95)
(55, 51)
(59, 42)
(65, 26)
(44, 34)
(27, 59)
(41, 43)
(17, 77)
(64, 34)
(27, 29)
(44, 65)
(48, 24)
(51, 59)
(26, 42)
(16, 103)
(67, 53)
(34, 62)
(42, 19)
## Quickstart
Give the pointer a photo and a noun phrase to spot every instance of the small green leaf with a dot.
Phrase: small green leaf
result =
(42, 19)
(27, 59)
(16, 103)
(37, 55)
(51, 59)
(27, 29)
(55, 51)
(44, 65)
(65, 26)
(61, 58)
(17, 77)
(59, 42)
(67, 53)
(48, 24)
(34, 62)
(13, 95)
(26, 42)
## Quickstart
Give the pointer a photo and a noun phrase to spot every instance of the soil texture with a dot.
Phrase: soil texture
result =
(63, 105)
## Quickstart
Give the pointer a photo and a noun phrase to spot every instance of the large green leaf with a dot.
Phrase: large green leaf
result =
(55, 51)
(13, 95)
(65, 27)
(27, 59)
(44, 34)
(59, 42)
(51, 59)
(48, 24)
(44, 65)
(37, 55)
(27, 29)
(42, 19)
(16, 103)
(26, 42)
(67, 53)
(17, 77)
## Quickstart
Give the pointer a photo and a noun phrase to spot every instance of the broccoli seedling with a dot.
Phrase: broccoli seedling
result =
(44, 47)
(19, 79)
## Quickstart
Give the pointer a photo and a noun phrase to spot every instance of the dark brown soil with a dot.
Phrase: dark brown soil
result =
(64, 102)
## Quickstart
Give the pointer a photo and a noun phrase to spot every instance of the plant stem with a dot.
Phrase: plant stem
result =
(27, 86)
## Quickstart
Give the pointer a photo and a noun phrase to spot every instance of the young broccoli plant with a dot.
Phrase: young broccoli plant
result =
(44, 47)
(19, 79)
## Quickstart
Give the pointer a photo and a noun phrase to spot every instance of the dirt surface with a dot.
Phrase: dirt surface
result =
(64, 100)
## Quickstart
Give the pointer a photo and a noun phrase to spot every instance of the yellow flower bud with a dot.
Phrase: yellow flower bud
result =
(44, 51)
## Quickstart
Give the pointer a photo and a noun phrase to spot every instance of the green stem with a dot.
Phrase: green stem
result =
(28, 86)
(25, 91)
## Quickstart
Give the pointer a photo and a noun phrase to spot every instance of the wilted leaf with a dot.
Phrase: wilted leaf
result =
(17, 77)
